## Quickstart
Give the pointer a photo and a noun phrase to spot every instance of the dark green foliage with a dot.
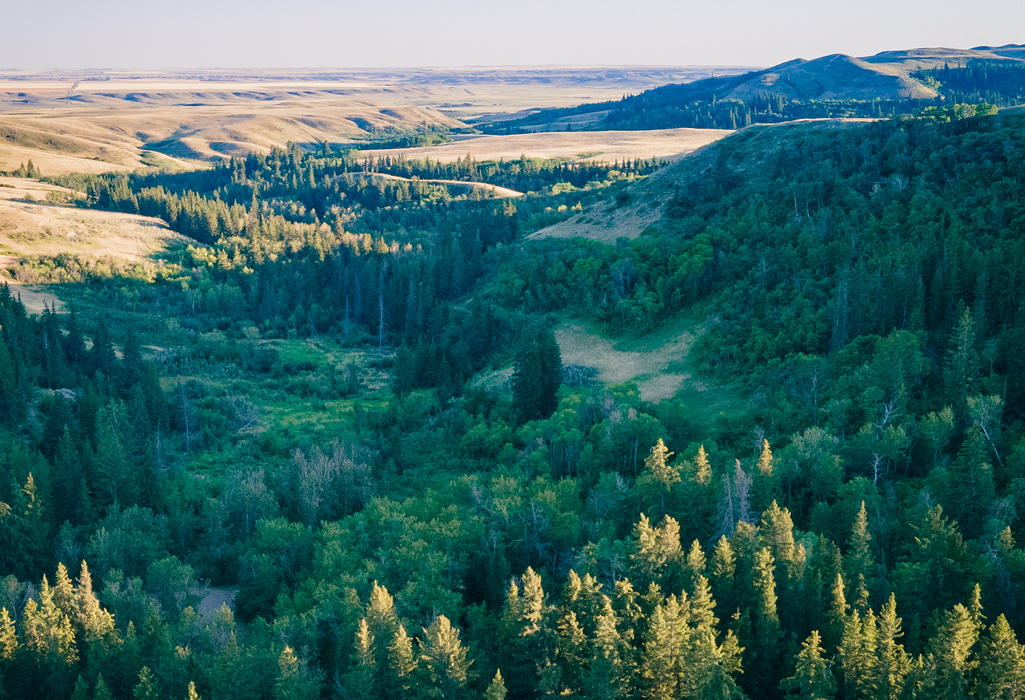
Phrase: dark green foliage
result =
(537, 374)
(402, 524)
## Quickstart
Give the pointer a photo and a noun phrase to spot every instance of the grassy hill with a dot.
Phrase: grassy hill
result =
(836, 85)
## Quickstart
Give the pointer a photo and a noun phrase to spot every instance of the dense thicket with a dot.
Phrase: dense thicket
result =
(848, 533)
(261, 198)
(1000, 83)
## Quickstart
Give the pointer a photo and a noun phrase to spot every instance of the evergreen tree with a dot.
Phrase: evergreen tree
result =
(658, 471)
(146, 688)
(859, 561)
(767, 625)
(443, 669)
(766, 484)
(363, 676)
(537, 374)
(607, 677)
(812, 678)
(892, 663)
(952, 651)
(1001, 673)
(294, 681)
(496, 688)
(702, 469)
(962, 367)
(102, 690)
(660, 665)
(401, 661)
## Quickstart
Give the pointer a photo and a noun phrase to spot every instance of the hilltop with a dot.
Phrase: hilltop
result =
(836, 85)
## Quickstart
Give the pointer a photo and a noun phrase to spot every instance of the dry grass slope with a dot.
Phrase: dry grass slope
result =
(598, 145)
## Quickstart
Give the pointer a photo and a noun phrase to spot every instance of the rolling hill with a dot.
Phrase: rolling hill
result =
(100, 121)
(892, 78)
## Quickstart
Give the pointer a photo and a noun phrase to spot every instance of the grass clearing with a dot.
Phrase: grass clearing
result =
(657, 362)
(572, 145)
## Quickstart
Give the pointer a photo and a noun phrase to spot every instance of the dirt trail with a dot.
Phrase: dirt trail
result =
(495, 190)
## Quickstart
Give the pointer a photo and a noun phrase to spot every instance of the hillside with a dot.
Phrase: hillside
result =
(837, 85)
(643, 205)
(836, 77)
(570, 146)
(774, 442)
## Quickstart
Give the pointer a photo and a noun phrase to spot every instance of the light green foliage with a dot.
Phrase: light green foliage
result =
(496, 688)
(812, 679)
(443, 664)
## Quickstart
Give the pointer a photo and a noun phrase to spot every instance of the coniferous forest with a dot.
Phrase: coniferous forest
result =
(344, 400)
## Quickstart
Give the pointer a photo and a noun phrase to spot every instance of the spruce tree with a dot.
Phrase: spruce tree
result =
(952, 652)
(859, 560)
(660, 666)
(444, 667)
(892, 663)
(812, 678)
(146, 688)
(765, 668)
(1001, 673)
(537, 374)
(402, 663)
(607, 677)
(496, 688)
(363, 675)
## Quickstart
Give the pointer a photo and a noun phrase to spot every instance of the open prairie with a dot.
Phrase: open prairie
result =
(572, 145)
(108, 121)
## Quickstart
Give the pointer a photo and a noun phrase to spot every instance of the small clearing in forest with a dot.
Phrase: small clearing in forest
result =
(658, 362)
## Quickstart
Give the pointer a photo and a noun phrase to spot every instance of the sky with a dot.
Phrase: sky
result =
(140, 34)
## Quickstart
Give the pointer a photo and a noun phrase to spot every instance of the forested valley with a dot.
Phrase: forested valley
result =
(345, 401)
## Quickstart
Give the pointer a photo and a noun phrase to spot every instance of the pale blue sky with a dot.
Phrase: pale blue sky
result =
(343, 33)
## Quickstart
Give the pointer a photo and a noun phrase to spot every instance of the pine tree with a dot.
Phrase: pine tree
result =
(962, 367)
(722, 570)
(81, 689)
(892, 663)
(607, 675)
(1001, 673)
(766, 480)
(853, 658)
(859, 560)
(812, 678)
(146, 688)
(766, 621)
(952, 652)
(496, 689)
(443, 669)
(702, 469)
(969, 489)
(402, 663)
(537, 375)
(383, 623)
(102, 690)
(660, 472)
(363, 676)
(527, 633)
(660, 665)
(294, 682)
(8, 637)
